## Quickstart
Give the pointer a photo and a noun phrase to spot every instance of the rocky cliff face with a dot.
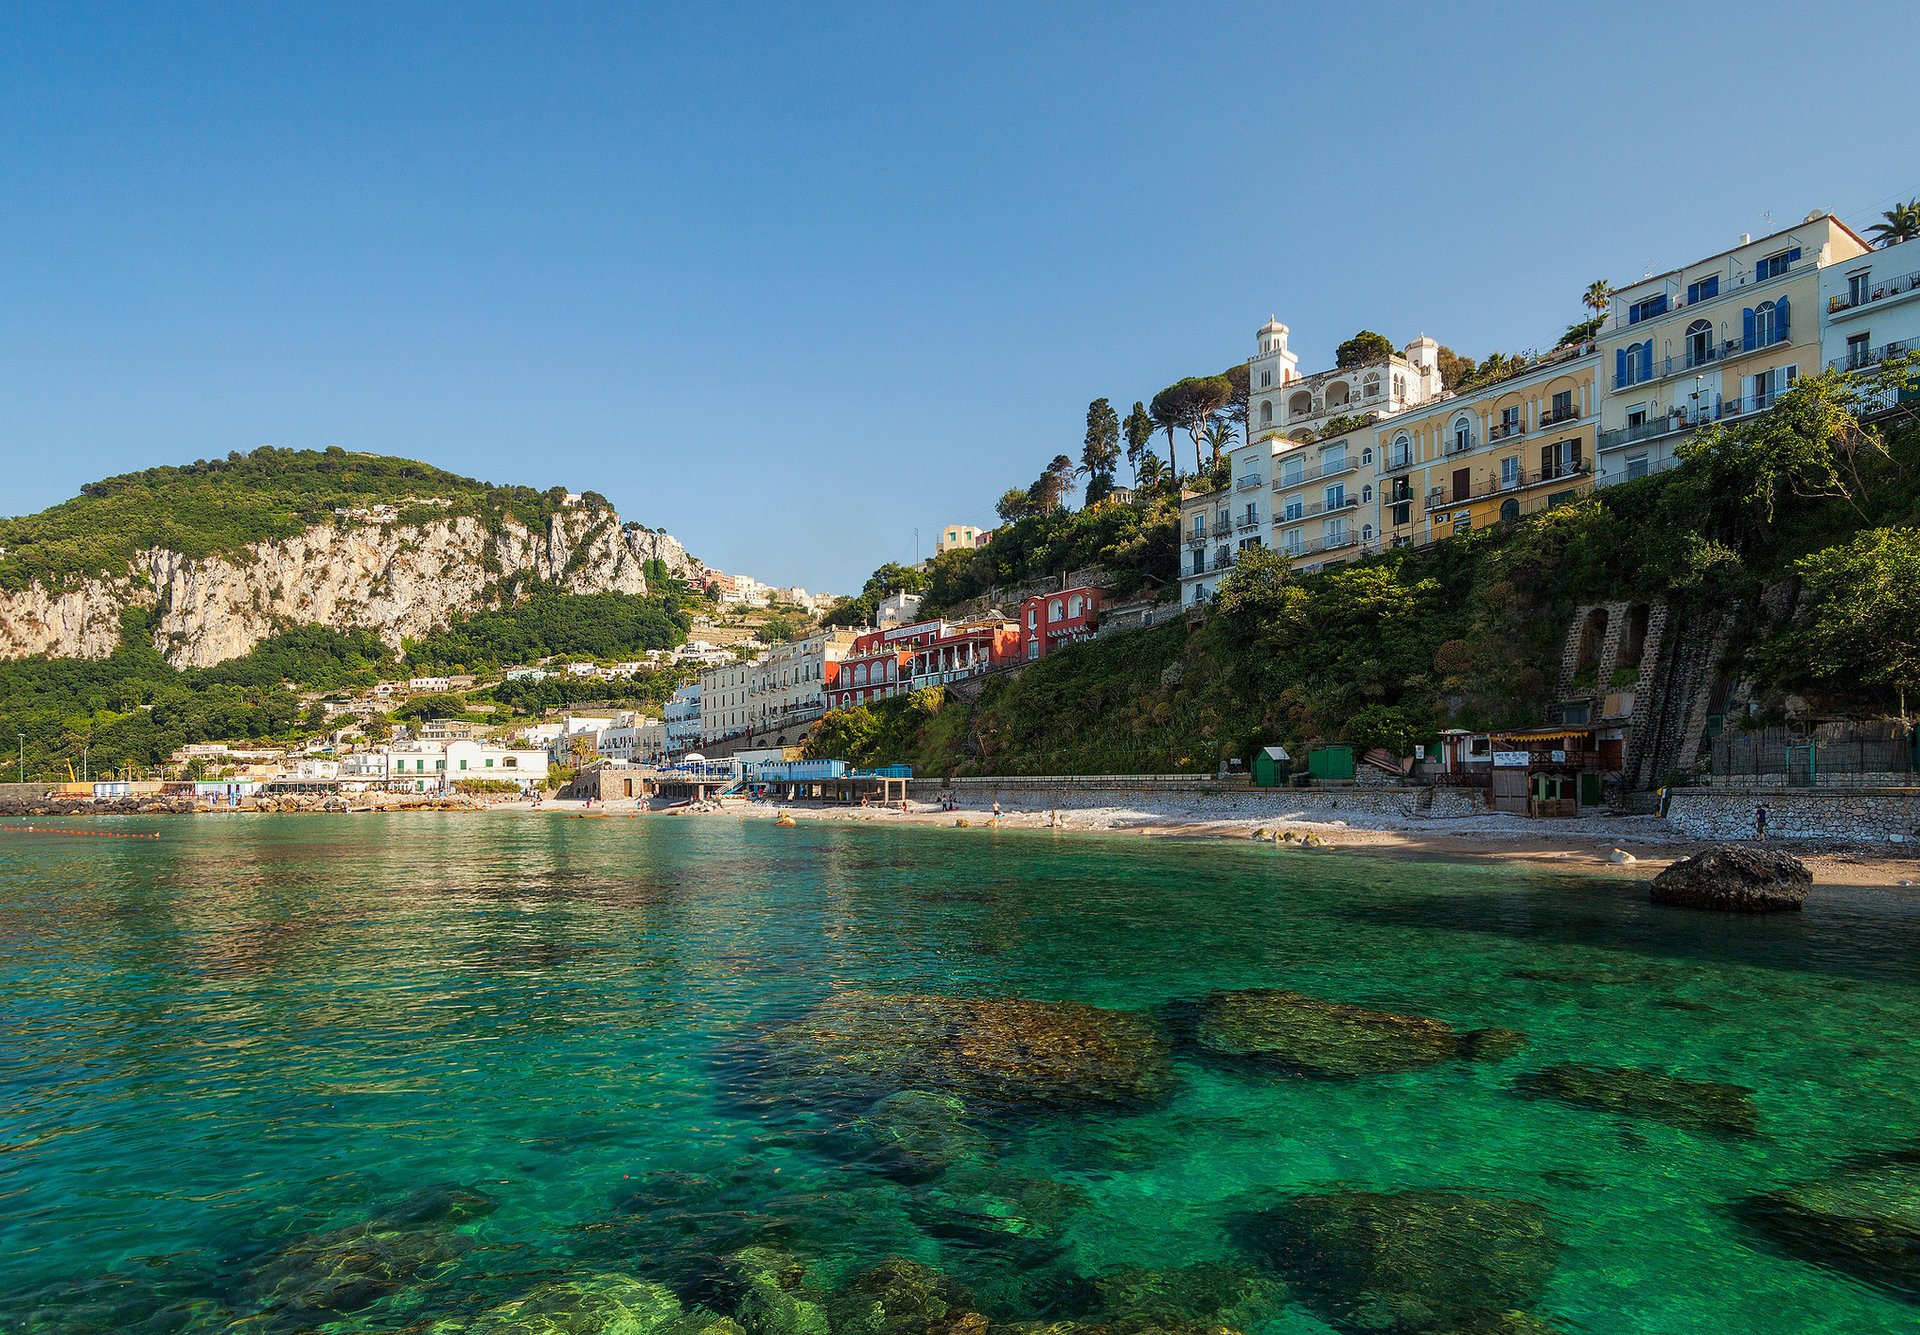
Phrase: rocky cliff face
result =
(397, 580)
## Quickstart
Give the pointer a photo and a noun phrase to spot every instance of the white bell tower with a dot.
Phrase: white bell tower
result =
(1270, 370)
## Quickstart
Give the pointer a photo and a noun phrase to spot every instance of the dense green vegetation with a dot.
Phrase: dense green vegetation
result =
(221, 505)
(549, 621)
(643, 690)
(1468, 632)
(133, 708)
(1136, 542)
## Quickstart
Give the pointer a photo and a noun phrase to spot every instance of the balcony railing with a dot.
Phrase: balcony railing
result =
(1314, 546)
(1441, 497)
(1866, 357)
(1294, 516)
(1710, 353)
(1314, 472)
(1506, 430)
(1250, 480)
(1686, 419)
(1554, 418)
(1892, 287)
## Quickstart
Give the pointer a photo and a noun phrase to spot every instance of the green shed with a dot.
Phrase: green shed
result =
(1271, 765)
(1330, 763)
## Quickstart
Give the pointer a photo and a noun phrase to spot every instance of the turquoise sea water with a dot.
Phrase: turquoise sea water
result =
(253, 1030)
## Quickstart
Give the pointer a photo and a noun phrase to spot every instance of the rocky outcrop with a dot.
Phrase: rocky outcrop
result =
(1735, 879)
(996, 1050)
(1698, 1105)
(399, 580)
(1410, 1261)
(1864, 1223)
(1293, 1031)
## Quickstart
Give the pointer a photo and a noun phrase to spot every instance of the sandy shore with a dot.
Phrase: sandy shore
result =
(1586, 845)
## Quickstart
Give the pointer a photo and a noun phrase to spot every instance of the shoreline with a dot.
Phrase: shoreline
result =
(1581, 845)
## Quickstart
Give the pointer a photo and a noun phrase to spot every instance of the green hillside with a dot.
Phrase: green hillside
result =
(220, 505)
(1810, 500)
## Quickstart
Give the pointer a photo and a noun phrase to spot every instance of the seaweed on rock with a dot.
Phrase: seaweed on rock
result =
(1292, 1031)
(1696, 1105)
(1864, 1222)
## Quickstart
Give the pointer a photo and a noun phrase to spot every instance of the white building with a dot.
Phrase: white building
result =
(427, 684)
(527, 674)
(425, 767)
(634, 739)
(897, 608)
(1282, 402)
(786, 684)
(682, 720)
(1870, 307)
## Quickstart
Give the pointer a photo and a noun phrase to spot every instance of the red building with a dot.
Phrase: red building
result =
(890, 662)
(1049, 620)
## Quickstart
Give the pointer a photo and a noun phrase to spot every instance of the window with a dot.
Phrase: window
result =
(1768, 386)
(1647, 309)
(1073, 602)
(1632, 364)
(1266, 381)
(1562, 405)
(1776, 264)
(1199, 568)
(1334, 459)
(1366, 495)
(1371, 389)
(1292, 542)
(1400, 452)
(1509, 510)
(1248, 544)
(1337, 496)
(1462, 433)
(511, 762)
(1054, 610)
(1859, 350)
(1699, 341)
(1292, 472)
(1510, 471)
(1300, 405)
(1764, 323)
(1636, 467)
(489, 762)
(1336, 530)
(1509, 421)
(1704, 290)
(1366, 457)
(1199, 525)
(1296, 508)
(1266, 412)
(1366, 533)
(1858, 286)
(1399, 387)
(1401, 514)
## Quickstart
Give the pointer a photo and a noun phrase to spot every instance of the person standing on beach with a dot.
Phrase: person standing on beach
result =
(1760, 821)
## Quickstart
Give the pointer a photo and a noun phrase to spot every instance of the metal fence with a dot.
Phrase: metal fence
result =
(1832, 754)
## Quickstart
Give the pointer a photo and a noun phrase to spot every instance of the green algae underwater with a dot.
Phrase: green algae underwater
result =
(461, 1074)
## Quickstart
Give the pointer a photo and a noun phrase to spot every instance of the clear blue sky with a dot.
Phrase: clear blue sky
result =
(792, 280)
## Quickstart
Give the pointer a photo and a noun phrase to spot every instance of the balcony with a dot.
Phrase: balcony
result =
(1875, 291)
(1442, 497)
(1315, 472)
(1686, 419)
(1554, 417)
(1247, 522)
(1298, 513)
(1869, 357)
(1506, 430)
(1250, 480)
(1699, 355)
(1313, 547)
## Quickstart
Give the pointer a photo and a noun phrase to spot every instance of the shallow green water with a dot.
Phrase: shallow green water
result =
(254, 1029)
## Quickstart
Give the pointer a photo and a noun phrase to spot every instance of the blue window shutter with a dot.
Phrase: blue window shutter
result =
(1646, 360)
(1619, 367)
(1793, 256)
(1780, 320)
(1746, 329)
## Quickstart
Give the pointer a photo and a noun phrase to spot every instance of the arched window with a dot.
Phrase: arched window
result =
(1300, 405)
(1053, 610)
(1266, 412)
(1699, 342)
(1764, 324)
(1372, 387)
(1462, 433)
(1509, 510)
(1073, 605)
(1338, 395)
(1366, 533)
(1402, 451)
(1366, 456)
(1366, 494)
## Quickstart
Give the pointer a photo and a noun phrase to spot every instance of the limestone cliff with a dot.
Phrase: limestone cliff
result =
(396, 579)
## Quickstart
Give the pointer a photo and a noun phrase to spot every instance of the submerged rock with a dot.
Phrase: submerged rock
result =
(994, 1049)
(903, 1297)
(1417, 1262)
(603, 1304)
(920, 1133)
(340, 1271)
(991, 1201)
(1698, 1105)
(1735, 878)
(1864, 1223)
(1293, 1030)
(777, 1295)
(1207, 1293)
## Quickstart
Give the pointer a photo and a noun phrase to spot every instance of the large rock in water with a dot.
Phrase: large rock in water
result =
(606, 1304)
(1698, 1105)
(1735, 878)
(1864, 1223)
(903, 1297)
(984, 1050)
(1291, 1029)
(1412, 1262)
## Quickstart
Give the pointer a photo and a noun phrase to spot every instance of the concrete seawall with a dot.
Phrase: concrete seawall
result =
(1192, 797)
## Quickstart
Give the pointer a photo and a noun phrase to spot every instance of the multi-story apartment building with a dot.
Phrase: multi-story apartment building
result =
(1206, 542)
(680, 720)
(787, 684)
(1720, 338)
(1282, 402)
(1492, 454)
(1322, 499)
(1870, 308)
(957, 538)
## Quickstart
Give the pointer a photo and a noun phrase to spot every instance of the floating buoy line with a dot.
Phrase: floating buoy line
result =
(78, 834)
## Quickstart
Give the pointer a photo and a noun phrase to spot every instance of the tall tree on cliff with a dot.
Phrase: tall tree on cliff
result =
(1190, 404)
(1049, 491)
(1140, 428)
(1239, 409)
(1100, 452)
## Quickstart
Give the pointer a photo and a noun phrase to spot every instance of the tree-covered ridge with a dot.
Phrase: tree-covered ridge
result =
(548, 622)
(217, 506)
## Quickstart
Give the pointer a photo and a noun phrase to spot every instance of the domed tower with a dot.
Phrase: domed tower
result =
(1270, 370)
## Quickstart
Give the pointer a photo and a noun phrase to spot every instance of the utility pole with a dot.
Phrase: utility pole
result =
(23, 756)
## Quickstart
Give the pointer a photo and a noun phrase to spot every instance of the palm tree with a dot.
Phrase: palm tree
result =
(1599, 296)
(1220, 432)
(1899, 223)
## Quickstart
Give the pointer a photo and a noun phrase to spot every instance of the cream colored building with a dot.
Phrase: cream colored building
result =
(957, 538)
(1718, 339)
(785, 684)
(1492, 454)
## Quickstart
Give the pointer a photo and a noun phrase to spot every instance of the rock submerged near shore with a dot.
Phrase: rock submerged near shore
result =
(1733, 878)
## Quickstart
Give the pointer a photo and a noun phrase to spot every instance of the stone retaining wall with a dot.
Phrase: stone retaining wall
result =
(1818, 815)
(1180, 798)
